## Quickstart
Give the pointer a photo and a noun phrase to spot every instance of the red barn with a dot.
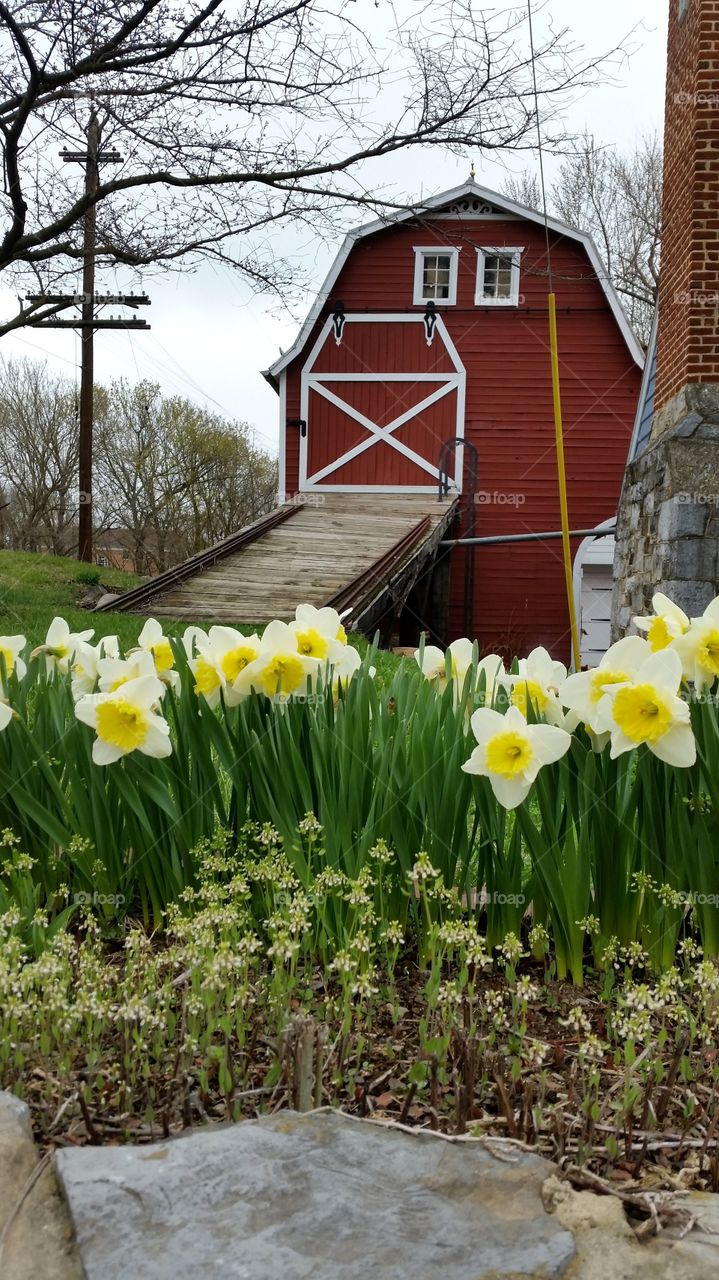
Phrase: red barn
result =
(415, 410)
(432, 329)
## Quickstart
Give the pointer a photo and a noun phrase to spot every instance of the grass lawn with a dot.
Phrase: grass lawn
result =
(35, 588)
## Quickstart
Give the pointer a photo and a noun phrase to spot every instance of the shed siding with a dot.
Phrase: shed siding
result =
(519, 595)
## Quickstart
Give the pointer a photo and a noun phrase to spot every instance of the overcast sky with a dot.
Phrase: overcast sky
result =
(210, 338)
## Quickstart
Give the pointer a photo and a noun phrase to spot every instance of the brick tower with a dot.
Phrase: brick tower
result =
(668, 526)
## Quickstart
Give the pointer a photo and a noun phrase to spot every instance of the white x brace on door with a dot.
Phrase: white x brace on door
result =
(424, 393)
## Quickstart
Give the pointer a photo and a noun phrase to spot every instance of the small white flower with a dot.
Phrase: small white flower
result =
(433, 662)
(326, 621)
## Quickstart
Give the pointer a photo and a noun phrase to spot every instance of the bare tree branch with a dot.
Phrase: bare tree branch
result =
(233, 118)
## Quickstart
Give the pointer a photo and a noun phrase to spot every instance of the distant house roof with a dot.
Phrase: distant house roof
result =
(437, 204)
(645, 406)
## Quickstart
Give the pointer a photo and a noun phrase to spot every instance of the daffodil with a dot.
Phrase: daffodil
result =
(10, 649)
(60, 645)
(126, 721)
(326, 621)
(231, 652)
(154, 641)
(85, 663)
(210, 680)
(112, 673)
(666, 624)
(314, 643)
(84, 669)
(648, 711)
(698, 648)
(582, 692)
(344, 668)
(192, 638)
(432, 661)
(536, 684)
(6, 714)
(280, 670)
(510, 752)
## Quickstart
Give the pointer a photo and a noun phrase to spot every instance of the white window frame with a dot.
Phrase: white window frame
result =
(446, 251)
(504, 251)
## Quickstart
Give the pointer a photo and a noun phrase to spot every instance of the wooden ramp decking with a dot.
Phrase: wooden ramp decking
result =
(359, 552)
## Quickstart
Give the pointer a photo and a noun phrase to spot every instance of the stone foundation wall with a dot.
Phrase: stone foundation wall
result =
(668, 524)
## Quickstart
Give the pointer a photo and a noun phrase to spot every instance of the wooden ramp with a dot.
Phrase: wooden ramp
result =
(359, 552)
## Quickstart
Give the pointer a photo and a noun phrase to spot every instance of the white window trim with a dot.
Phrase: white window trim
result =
(506, 251)
(453, 254)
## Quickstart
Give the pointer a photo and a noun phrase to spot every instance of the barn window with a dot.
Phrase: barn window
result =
(435, 275)
(498, 277)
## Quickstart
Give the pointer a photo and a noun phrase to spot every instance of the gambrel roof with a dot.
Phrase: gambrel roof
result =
(469, 191)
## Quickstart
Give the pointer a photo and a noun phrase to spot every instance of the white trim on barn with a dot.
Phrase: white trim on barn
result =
(437, 205)
(445, 384)
(281, 466)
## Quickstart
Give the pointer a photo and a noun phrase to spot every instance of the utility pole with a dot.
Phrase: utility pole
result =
(87, 340)
(92, 157)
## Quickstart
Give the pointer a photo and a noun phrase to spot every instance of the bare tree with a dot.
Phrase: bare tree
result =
(232, 118)
(172, 477)
(38, 457)
(616, 198)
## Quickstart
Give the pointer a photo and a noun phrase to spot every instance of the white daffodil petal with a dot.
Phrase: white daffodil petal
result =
(677, 747)
(549, 742)
(476, 762)
(486, 722)
(151, 634)
(662, 668)
(277, 638)
(105, 752)
(157, 740)
(431, 661)
(510, 792)
(193, 638)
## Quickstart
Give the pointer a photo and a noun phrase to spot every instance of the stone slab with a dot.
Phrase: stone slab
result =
(14, 1117)
(35, 1232)
(318, 1195)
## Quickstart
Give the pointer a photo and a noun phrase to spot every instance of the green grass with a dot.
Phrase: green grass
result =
(35, 588)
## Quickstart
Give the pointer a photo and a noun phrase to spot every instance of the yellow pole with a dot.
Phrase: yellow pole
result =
(559, 442)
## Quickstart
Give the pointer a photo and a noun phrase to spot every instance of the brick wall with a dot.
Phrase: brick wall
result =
(688, 343)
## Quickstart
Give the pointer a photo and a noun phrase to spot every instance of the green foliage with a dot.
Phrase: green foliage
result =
(90, 575)
(607, 853)
(259, 993)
